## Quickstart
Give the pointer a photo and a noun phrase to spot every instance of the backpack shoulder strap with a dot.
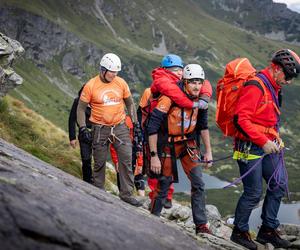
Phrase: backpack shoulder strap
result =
(256, 83)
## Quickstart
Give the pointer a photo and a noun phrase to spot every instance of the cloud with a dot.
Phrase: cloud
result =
(292, 4)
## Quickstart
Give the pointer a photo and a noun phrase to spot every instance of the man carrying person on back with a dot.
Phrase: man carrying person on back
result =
(257, 122)
(106, 93)
(174, 134)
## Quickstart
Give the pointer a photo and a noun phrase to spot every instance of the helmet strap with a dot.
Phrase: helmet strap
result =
(103, 72)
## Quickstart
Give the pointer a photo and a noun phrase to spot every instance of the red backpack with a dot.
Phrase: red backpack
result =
(237, 72)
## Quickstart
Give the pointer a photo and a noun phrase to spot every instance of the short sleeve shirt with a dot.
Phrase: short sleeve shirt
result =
(106, 100)
(145, 97)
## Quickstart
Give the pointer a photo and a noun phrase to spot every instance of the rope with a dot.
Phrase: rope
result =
(279, 172)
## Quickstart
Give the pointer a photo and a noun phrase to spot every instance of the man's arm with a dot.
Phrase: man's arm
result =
(202, 126)
(81, 107)
(173, 91)
(72, 120)
(206, 141)
(130, 106)
(156, 118)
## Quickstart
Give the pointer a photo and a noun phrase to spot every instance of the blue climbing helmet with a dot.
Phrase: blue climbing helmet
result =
(171, 60)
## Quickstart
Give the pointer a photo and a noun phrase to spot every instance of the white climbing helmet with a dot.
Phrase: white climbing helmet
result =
(193, 71)
(111, 62)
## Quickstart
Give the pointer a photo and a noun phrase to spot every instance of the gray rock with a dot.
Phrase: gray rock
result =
(9, 51)
(44, 208)
(291, 229)
(296, 244)
(43, 40)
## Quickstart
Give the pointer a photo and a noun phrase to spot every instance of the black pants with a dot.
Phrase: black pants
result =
(86, 158)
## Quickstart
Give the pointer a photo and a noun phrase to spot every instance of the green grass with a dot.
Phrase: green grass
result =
(31, 132)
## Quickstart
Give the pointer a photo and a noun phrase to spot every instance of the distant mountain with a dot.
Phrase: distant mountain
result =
(273, 20)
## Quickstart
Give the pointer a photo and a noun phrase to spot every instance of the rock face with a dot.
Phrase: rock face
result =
(44, 208)
(43, 40)
(9, 50)
(274, 20)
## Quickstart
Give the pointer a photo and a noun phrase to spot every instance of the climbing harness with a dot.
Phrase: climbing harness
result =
(112, 138)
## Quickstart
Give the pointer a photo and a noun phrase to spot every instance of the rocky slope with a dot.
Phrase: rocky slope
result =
(44, 208)
(274, 20)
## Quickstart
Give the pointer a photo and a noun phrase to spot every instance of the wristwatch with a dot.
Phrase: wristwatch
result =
(153, 153)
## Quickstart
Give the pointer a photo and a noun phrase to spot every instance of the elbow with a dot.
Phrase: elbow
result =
(238, 126)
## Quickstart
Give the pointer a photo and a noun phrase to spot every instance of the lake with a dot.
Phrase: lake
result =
(288, 213)
(211, 182)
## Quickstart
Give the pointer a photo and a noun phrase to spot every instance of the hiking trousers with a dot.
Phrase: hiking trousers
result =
(253, 189)
(86, 159)
(152, 183)
(194, 173)
(123, 147)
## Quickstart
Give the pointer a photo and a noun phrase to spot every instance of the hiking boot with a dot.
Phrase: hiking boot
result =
(242, 238)
(132, 201)
(270, 235)
(168, 204)
(202, 229)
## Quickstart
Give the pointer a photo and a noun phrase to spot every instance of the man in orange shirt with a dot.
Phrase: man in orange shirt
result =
(152, 182)
(106, 94)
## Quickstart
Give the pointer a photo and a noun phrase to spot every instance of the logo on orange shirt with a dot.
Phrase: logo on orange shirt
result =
(110, 97)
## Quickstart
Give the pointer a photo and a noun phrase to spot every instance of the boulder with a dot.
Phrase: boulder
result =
(9, 50)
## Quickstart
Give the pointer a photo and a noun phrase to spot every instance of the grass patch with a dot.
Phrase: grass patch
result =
(36, 135)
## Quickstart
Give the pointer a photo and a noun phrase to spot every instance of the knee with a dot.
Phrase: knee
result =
(164, 184)
(196, 179)
(253, 195)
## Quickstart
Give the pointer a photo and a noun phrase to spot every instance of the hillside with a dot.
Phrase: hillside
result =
(64, 41)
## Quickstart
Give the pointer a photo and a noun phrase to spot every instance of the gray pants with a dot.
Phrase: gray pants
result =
(124, 151)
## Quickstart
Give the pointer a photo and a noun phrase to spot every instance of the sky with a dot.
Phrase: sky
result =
(292, 4)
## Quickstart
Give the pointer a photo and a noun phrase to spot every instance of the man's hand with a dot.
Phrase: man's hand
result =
(208, 157)
(73, 143)
(271, 147)
(85, 135)
(155, 165)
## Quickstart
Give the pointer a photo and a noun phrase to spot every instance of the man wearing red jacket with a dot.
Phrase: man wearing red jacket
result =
(259, 146)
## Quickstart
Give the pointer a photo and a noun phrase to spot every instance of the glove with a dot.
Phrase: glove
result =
(203, 104)
(137, 133)
(85, 135)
